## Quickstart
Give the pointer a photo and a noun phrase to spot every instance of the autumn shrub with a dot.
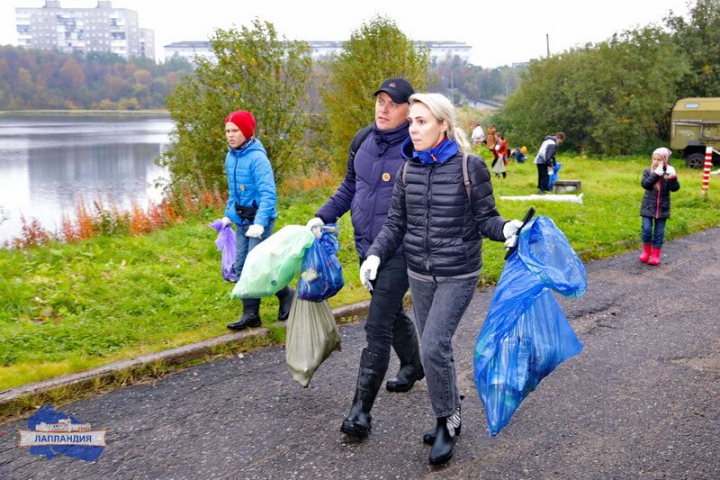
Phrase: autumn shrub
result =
(110, 220)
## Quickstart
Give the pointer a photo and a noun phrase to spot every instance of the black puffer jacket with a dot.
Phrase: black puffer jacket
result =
(431, 215)
(656, 201)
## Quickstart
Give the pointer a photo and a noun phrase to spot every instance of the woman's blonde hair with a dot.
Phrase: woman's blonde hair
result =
(443, 110)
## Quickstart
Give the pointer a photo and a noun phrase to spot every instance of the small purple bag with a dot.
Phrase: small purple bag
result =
(226, 243)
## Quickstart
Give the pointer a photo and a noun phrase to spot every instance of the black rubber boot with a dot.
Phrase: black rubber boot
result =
(358, 422)
(250, 317)
(285, 296)
(429, 435)
(445, 438)
(411, 369)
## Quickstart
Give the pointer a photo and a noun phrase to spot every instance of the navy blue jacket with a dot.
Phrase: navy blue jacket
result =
(367, 187)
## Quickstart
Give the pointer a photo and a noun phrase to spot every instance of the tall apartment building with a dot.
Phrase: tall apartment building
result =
(99, 29)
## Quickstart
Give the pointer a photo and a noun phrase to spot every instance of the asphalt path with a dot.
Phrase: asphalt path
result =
(642, 401)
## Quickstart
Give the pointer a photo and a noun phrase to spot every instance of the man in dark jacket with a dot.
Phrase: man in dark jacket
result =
(545, 160)
(366, 192)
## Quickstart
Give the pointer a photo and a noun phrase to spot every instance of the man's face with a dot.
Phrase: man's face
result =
(388, 114)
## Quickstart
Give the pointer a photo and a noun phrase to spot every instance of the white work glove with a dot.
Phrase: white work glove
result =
(226, 221)
(314, 225)
(510, 230)
(255, 231)
(659, 171)
(671, 172)
(550, 170)
(368, 271)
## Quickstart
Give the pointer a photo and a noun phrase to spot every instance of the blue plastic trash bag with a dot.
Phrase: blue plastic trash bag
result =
(274, 263)
(554, 175)
(321, 272)
(526, 335)
(226, 243)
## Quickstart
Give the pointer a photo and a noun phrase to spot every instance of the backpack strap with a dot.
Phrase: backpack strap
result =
(466, 175)
(358, 140)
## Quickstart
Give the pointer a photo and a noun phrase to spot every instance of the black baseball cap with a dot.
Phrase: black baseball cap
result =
(399, 89)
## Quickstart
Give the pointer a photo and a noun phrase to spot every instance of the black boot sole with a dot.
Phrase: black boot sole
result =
(402, 387)
(349, 428)
(441, 460)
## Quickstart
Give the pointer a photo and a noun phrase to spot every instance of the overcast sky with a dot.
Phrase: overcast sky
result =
(501, 33)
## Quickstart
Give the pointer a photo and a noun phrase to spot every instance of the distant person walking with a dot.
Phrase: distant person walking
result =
(658, 180)
(478, 134)
(545, 159)
(501, 147)
(491, 140)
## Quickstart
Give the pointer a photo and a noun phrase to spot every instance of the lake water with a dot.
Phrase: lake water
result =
(49, 162)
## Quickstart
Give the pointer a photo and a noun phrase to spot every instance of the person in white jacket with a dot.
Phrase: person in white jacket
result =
(478, 134)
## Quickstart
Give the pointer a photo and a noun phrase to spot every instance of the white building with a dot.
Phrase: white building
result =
(438, 50)
(86, 30)
(189, 50)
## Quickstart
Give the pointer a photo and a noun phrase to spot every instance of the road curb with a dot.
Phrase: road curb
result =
(173, 356)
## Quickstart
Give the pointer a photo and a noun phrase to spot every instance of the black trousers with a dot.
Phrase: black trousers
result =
(387, 323)
(543, 177)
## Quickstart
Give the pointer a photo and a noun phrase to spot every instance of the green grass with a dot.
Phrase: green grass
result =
(66, 308)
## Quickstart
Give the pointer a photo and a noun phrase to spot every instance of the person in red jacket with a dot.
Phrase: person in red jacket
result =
(658, 180)
(501, 159)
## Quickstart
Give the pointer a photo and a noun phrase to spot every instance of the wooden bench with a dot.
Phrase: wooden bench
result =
(563, 186)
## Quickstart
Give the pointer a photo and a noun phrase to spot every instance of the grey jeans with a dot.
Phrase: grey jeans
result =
(438, 308)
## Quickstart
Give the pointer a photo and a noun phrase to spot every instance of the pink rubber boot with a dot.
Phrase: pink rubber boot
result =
(655, 257)
(645, 255)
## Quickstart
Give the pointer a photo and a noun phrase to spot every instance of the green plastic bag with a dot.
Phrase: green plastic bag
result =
(311, 337)
(274, 263)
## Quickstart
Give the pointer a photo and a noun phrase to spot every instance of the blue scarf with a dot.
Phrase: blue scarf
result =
(441, 153)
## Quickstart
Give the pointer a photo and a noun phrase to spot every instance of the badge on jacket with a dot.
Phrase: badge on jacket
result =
(242, 188)
(386, 177)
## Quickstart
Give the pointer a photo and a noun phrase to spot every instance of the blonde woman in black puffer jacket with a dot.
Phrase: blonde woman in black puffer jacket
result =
(440, 225)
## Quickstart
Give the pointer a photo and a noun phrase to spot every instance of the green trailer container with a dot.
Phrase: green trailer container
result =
(695, 126)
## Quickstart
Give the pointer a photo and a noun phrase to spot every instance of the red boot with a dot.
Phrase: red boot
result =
(655, 257)
(646, 253)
